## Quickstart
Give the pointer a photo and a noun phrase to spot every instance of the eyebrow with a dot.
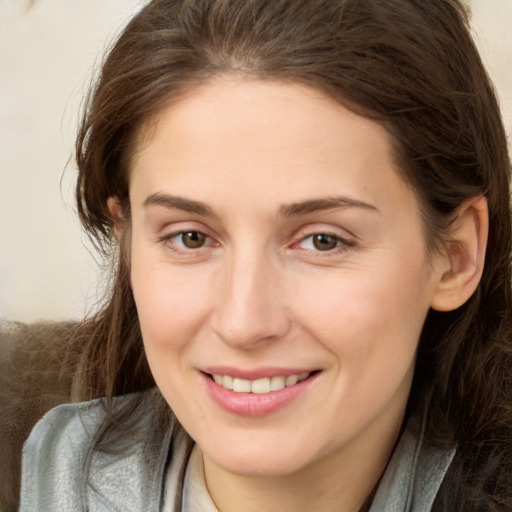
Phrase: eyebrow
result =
(286, 210)
(180, 203)
(325, 203)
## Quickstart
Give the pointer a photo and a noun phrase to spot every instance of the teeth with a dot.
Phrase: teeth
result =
(258, 386)
(277, 383)
(227, 382)
(291, 380)
(241, 385)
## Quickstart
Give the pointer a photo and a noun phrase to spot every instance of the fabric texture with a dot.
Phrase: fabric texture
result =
(195, 494)
(61, 472)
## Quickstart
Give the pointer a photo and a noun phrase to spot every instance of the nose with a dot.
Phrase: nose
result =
(250, 310)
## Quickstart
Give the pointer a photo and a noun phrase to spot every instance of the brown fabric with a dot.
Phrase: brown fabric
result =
(37, 363)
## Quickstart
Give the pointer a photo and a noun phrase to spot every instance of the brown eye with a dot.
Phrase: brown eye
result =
(323, 242)
(193, 239)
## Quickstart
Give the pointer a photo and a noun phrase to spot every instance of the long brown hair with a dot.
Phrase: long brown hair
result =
(408, 64)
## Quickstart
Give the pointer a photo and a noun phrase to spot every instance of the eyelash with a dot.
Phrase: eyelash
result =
(342, 244)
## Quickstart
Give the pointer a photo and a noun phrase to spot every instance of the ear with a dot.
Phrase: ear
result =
(463, 261)
(116, 211)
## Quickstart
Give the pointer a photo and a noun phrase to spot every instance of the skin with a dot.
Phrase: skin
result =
(241, 156)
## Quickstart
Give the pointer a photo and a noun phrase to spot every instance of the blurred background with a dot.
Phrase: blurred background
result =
(48, 52)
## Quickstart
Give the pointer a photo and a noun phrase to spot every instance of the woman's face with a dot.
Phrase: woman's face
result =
(276, 250)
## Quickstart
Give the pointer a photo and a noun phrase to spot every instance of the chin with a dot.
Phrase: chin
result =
(258, 460)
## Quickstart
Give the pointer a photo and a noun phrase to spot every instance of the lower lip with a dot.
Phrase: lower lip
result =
(254, 405)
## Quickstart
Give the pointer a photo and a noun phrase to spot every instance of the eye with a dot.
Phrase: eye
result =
(185, 241)
(191, 239)
(322, 242)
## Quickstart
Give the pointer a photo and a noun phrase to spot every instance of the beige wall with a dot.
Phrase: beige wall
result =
(46, 56)
(492, 24)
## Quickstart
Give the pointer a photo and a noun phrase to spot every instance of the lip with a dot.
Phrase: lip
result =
(252, 405)
(256, 373)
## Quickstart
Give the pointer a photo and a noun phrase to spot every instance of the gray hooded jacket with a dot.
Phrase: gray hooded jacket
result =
(62, 473)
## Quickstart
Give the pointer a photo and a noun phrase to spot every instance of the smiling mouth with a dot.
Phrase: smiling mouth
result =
(259, 386)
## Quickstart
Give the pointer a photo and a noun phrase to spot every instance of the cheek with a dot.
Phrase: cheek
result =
(171, 308)
(370, 318)
(170, 304)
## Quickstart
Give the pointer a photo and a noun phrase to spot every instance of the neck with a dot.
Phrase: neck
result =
(341, 482)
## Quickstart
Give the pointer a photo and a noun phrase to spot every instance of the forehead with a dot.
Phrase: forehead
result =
(263, 138)
(252, 107)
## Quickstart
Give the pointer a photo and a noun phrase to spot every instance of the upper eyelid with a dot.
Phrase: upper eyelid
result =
(327, 233)
(175, 233)
(321, 229)
(174, 228)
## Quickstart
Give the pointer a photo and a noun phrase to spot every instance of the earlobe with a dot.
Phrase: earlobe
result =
(464, 257)
(116, 211)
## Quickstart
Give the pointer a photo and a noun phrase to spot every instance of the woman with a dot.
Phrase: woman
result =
(307, 208)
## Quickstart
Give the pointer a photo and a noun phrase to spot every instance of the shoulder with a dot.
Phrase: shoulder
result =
(68, 422)
(55, 452)
(66, 468)
(65, 430)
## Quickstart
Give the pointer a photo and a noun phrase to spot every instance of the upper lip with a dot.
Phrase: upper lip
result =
(256, 373)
